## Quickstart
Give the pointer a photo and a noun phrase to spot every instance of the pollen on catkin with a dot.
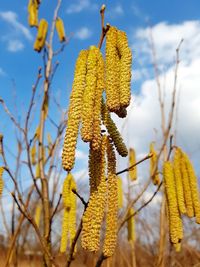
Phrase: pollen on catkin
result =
(113, 131)
(112, 204)
(60, 29)
(193, 187)
(175, 223)
(131, 225)
(120, 192)
(33, 13)
(132, 161)
(112, 73)
(153, 161)
(179, 182)
(89, 95)
(93, 216)
(100, 85)
(74, 112)
(1, 180)
(125, 68)
(41, 35)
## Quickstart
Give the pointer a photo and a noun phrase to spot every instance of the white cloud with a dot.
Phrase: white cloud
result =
(81, 5)
(15, 45)
(80, 154)
(83, 33)
(115, 11)
(12, 18)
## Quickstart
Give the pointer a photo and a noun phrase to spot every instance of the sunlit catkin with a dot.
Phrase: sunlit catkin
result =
(113, 131)
(132, 161)
(96, 139)
(74, 112)
(175, 223)
(125, 68)
(186, 188)
(60, 29)
(93, 216)
(120, 192)
(153, 161)
(1, 180)
(131, 225)
(65, 231)
(38, 214)
(33, 154)
(33, 13)
(193, 187)
(41, 35)
(89, 95)
(112, 204)
(112, 84)
(179, 182)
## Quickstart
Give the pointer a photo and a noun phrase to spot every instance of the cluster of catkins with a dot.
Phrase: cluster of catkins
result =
(87, 108)
(42, 25)
(181, 188)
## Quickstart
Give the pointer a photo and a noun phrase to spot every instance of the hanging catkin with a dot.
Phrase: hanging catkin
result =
(113, 131)
(125, 69)
(93, 216)
(153, 161)
(89, 96)
(132, 161)
(60, 29)
(175, 223)
(74, 113)
(131, 225)
(33, 154)
(1, 180)
(38, 214)
(41, 35)
(112, 74)
(178, 181)
(112, 204)
(33, 13)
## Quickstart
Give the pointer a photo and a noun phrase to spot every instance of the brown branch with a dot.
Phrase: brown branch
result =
(56, 208)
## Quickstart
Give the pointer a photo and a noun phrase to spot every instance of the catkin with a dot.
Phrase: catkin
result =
(74, 113)
(132, 161)
(112, 204)
(93, 216)
(175, 223)
(120, 192)
(41, 35)
(178, 182)
(113, 131)
(33, 13)
(89, 96)
(33, 154)
(131, 225)
(1, 180)
(112, 66)
(60, 29)
(38, 214)
(125, 68)
(96, 139)
(153, 161)
(193, 187)
(65, 231)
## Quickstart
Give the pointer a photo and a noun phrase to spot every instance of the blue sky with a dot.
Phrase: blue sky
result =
(170, 20)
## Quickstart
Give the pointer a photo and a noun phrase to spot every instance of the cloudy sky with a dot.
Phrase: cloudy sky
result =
(168, 21)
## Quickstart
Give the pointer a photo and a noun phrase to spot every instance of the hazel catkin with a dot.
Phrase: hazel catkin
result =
(132, 161)
(60, 29)
(41, 35)
(1, 180)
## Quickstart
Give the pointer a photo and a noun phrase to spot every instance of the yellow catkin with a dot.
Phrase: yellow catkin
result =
(186, 187)
(89, 96)
(69, 217)
(112, 73)
(74, 113)
(120, 192)
(41, 35)
(60, 29)
(37, 171)
(96, 139)
(113, 131)
(153, 160)
(93, 216)
(38, 214)
(112, 204)
(125, 68)
(33, 13)
(193, 187)
(132, 161)
(1, 180)
(131, 225)
(175, 223)
(33, 154)
(178, 181)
